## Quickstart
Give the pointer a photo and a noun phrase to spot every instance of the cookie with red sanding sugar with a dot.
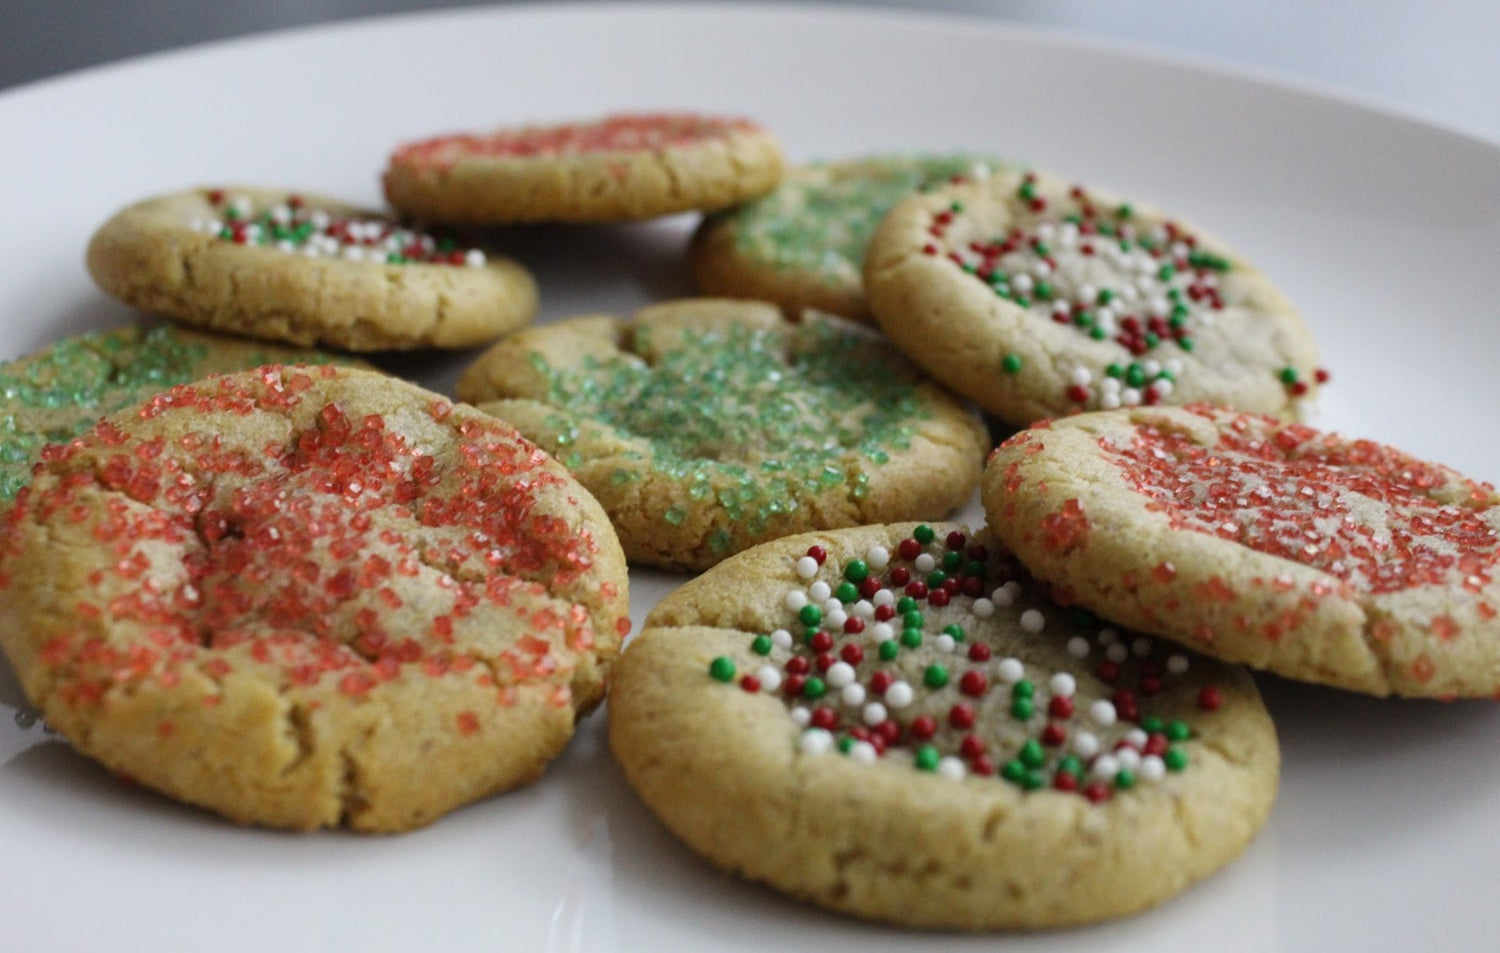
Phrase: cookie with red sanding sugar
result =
(707, 425)
(896, 722)
(307, 597)
(303, 269)
(622, 167)
(1035, 298)
(1320, 558)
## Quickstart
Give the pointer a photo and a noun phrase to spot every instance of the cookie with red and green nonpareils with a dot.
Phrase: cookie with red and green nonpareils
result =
(306, 597)
(61, 392)
(298, 268)
(706, 425)
(898, 723)
(1315, 556)
(1036, 298)
(803, 245)
(622, 167)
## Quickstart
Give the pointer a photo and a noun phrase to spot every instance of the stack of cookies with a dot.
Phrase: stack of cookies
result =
(281, 585)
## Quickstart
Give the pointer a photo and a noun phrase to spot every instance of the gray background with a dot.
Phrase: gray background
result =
(1432, 57)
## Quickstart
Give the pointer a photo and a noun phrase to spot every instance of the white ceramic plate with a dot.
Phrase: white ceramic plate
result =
(1383, 229)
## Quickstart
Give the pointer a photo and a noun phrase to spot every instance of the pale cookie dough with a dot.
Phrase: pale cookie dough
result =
(59, 393)
(1320, 558)
(895, 722)
(1034, 299)
(306, 597)
(619, 168)
(803, 245)
(304, 270)
(705, 426)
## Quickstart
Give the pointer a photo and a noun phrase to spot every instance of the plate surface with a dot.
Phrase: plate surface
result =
(1383, 229)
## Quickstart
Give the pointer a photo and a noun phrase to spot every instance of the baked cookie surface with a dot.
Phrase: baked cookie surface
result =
(59, 393)
(1320, 558)
(306, 597)
(803, 244)
(1036, 298)
(707, 425)
(304, 269)
(619, 168)
(895, 722)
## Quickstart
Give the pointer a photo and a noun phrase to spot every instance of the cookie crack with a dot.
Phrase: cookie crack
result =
(298, 727)
(352, 798)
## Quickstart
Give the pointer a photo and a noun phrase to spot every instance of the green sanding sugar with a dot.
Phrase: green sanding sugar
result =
(60, 393)
(758, 421)
(822, 218)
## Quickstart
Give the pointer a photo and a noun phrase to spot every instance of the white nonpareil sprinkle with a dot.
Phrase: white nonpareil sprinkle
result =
(873, 714)
(1010, 671)
(1085, 744)
(882, 632)
(795, 600)
(863, 609)
(925, 563)
(807, 567)
(1117, 653)
(1141, 647)
(878, 557)
(1078, 647)
(983, 608)
(801, 715)
(1129, 758)
(816, 741)
(1033, 621)
(885, 597)
(863, 752)
(1152, 768)
(853, 695)
(782, 639)
(1063, 685)
(1105, 767)
(819, 591)
(1136, 737)
(769, 677)
(839, 674)
(899, 695)
(474, 258)
(944, 643)
(1177, 664)
(1102, 713)
(951, 768)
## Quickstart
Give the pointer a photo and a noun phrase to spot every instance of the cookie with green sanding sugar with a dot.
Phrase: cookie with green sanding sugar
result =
(1035, 298)
(306, 269)
(897, 722)
(803, 244)
(705, 425)
(59, 393)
